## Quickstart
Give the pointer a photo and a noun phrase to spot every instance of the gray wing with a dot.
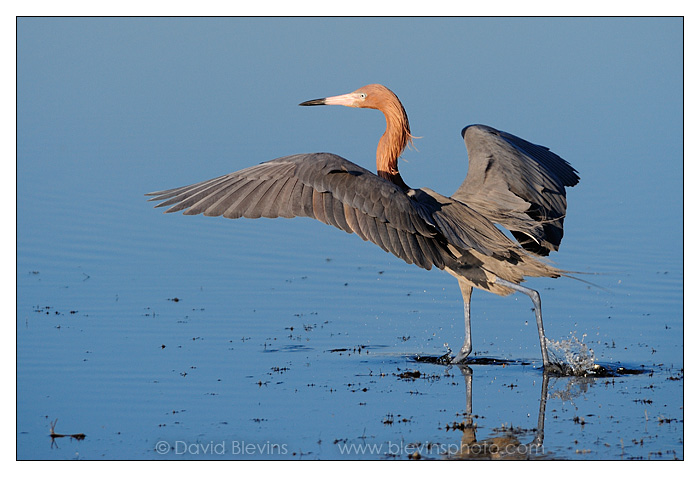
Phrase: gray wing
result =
(517, 184)
(322, 186)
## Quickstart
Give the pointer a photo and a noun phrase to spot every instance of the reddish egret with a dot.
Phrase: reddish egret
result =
(510, 182)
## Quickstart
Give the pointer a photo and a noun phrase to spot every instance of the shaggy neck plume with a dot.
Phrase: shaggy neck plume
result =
(394, 141)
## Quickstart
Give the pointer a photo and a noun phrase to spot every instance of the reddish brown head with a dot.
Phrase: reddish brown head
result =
(398, 131)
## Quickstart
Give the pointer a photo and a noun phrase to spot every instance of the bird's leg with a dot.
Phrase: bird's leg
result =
(467, 346)
(535, 297)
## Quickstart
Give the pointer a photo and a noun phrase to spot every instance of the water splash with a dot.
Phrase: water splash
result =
(572, 356)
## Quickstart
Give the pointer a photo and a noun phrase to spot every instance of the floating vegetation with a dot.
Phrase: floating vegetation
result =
(446, 359)
(54, 435)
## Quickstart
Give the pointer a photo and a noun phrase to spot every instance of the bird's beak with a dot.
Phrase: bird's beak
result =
(314, 102)
(349, 99)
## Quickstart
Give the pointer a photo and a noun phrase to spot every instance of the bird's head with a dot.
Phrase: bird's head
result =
(398, 133)
(374, 96)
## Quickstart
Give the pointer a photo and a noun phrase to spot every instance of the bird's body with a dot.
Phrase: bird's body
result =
(511, 182)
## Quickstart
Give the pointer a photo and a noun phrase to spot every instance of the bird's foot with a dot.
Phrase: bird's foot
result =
(554, 368)
(462, 355)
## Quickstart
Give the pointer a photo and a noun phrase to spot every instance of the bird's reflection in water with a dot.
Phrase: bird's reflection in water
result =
(508, 444)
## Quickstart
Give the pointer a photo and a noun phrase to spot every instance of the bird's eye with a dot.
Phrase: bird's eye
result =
(363, 95)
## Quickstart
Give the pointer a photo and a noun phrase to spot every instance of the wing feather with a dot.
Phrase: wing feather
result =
(290, 194)
(204, 201)
(318, 208)
(235, 198)
(517, 184)
(325, 187)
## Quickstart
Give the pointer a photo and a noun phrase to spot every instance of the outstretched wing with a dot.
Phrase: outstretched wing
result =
(322, 186)
(517, 184)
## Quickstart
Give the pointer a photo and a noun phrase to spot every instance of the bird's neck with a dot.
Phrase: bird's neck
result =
(392, 143)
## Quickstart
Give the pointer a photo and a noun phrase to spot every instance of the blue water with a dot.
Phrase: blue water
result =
(165, 336)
